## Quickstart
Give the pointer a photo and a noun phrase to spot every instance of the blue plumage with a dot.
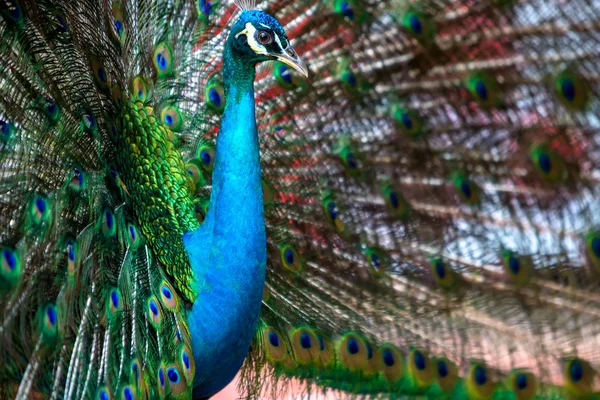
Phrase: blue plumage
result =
(228, 252)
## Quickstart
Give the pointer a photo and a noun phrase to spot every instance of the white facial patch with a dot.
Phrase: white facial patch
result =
(278, 41)
(250, 33)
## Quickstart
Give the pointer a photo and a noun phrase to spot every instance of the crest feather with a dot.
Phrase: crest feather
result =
(245, 5)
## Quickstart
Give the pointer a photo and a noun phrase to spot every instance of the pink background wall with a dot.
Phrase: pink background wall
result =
(231, 393)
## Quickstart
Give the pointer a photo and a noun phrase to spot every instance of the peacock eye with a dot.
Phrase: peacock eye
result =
(264, 38)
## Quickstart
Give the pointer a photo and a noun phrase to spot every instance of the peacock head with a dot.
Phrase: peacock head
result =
(258, 37)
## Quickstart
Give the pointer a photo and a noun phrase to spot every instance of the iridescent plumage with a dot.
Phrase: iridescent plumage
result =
(422, 208)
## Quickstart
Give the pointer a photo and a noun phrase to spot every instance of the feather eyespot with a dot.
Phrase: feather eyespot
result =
(70, 247)
(521, 381)
(305, 341)
(408, 121)
(48, 323)
(118, 31)
(372, 366)
(60, 22)
(446, 374)
(578, 376)
(48, 107)
(11, 269)
(352, 161)
(12, 9)
(443, 274)
(388, 358)
(326, 351)
(103, 394)
(154, 312)
(128, 393)
(353, 351)
(77, 180)
(214, 94)
(275, 347)
(467, 190)
(114, 298)
(163, 60)
(332, 212)
(215, 97)
(420, 26)
(572, 89)
(518, 268)
(480, 375)
(178, 385)
(345, 8)
(284, 76)
(133, 236)
(136, 376)
(397, 204)
(173, 375)
(141, 88)
(119, 27)
(349, 78)
(162, 380)
(50, 316)
(206, 155)
(523, 384)
(442, 369)
(305, 346)
(195, 171)
(99, 72)
(114, 303)
(168, 298)
(548, 163)
(187, 362)
(6, 131)
(108, 223)
(592, 241)
(479, 382)
(265, 38)
(391, 363)
(39, 210)
(88, 122)
(117, 95)
(484, 89)
(201, 209)
(205, 7)
(376, 260)
(290, 258)
(420, 368)
(172, 118)
(415, 24)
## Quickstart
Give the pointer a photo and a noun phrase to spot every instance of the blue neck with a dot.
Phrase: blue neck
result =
(228, 253)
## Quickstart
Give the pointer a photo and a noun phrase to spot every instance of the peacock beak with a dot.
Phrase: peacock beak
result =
(291, 58)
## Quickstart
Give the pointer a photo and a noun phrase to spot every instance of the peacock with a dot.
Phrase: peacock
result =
(371, 198)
